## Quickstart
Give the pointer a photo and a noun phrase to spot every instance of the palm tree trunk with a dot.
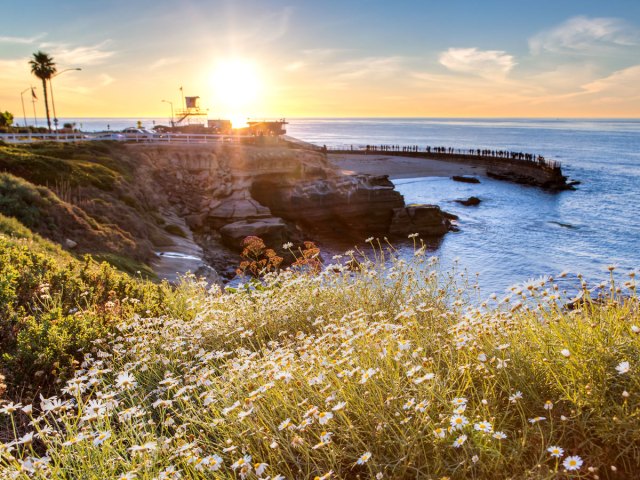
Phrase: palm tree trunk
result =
(46, 102)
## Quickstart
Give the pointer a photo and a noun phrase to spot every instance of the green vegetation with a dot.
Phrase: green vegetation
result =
(88, 193)
(127, 265)
(388, 371)
(51, 164)
(6, 119)
(54, 306)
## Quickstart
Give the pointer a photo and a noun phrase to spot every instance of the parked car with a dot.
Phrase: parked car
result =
(111, 136)
(138, 133)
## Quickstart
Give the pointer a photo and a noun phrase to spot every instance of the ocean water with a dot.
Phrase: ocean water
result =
(518, 232)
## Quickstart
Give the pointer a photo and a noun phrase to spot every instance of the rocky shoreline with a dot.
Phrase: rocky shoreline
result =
(280, 193)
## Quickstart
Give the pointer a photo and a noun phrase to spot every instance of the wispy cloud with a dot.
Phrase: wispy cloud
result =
(106, 79)
(367, 67)
(321, 52)
(65, 54)
(585, 35)
(10, 69)
(262, 29)
(484, 63)
(163, 62)
(622, 83)
(294, 66)
(22, 40)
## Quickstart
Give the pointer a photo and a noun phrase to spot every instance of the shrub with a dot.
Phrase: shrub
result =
(53, 306)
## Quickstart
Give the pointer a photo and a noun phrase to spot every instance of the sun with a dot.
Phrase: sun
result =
(236, 86)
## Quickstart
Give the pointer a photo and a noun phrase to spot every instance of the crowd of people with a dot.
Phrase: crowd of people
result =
(455, 151)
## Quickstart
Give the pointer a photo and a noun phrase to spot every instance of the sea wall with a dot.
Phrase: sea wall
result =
(545, 174)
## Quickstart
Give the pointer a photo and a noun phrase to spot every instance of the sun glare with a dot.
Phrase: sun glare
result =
(237, 86)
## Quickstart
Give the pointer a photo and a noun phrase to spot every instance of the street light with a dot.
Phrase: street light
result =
(33, 101)
(24, 114)
(53, 103)
(170, 103)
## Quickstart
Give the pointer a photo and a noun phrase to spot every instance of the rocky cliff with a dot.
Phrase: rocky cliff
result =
(228, 191)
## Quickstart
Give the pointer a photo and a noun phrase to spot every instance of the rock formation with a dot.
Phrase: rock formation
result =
(360, 204)
(529, 174)
(464, 179)
(427, 220)
(469, 202)
(226, 192)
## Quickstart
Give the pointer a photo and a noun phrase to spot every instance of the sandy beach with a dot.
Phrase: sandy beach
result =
(398, 166)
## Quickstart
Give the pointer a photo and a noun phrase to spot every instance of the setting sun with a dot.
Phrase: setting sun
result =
(236, 86)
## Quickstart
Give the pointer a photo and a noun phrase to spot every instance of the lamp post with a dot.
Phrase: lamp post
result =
(53, 103)
(171, 104)
(24, 113)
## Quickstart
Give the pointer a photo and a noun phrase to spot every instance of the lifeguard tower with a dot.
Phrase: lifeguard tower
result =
(192, 113)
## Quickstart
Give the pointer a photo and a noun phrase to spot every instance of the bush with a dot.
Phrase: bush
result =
(53, 306)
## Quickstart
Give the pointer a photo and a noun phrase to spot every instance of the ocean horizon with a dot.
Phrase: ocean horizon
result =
(94, 124)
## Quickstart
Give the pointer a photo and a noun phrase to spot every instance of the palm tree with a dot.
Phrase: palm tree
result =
(43, 67)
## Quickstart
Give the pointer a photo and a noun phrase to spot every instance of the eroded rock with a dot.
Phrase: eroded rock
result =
(272, 230)
(470, 202)
(465, 179)
(427, 220)
(357, 204)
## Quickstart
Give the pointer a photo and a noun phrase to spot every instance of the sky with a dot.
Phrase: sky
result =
(360, 58)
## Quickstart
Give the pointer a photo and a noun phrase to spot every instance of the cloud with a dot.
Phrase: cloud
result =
(621, 83)
(485, 63)
(370, 67)
(64, 54)
(163, 62)
(106, 79)
(585, 35)
(12, 69)
(292, 67)
(22, 40)
(261, 30)
(321, 52)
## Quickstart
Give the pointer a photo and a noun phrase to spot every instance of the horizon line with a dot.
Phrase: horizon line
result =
(324, 117)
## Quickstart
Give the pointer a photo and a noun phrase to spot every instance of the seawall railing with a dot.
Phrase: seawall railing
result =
(119, 137)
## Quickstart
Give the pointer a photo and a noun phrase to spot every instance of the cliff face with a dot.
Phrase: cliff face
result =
(360, 204)
(278, 193)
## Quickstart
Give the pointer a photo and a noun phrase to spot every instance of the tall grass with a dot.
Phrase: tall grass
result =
(382, 372)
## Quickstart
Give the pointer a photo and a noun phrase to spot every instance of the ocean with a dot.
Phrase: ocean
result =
(517, 233)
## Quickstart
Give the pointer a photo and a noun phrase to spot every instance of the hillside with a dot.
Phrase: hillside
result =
(55, 304)
(85, 197)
